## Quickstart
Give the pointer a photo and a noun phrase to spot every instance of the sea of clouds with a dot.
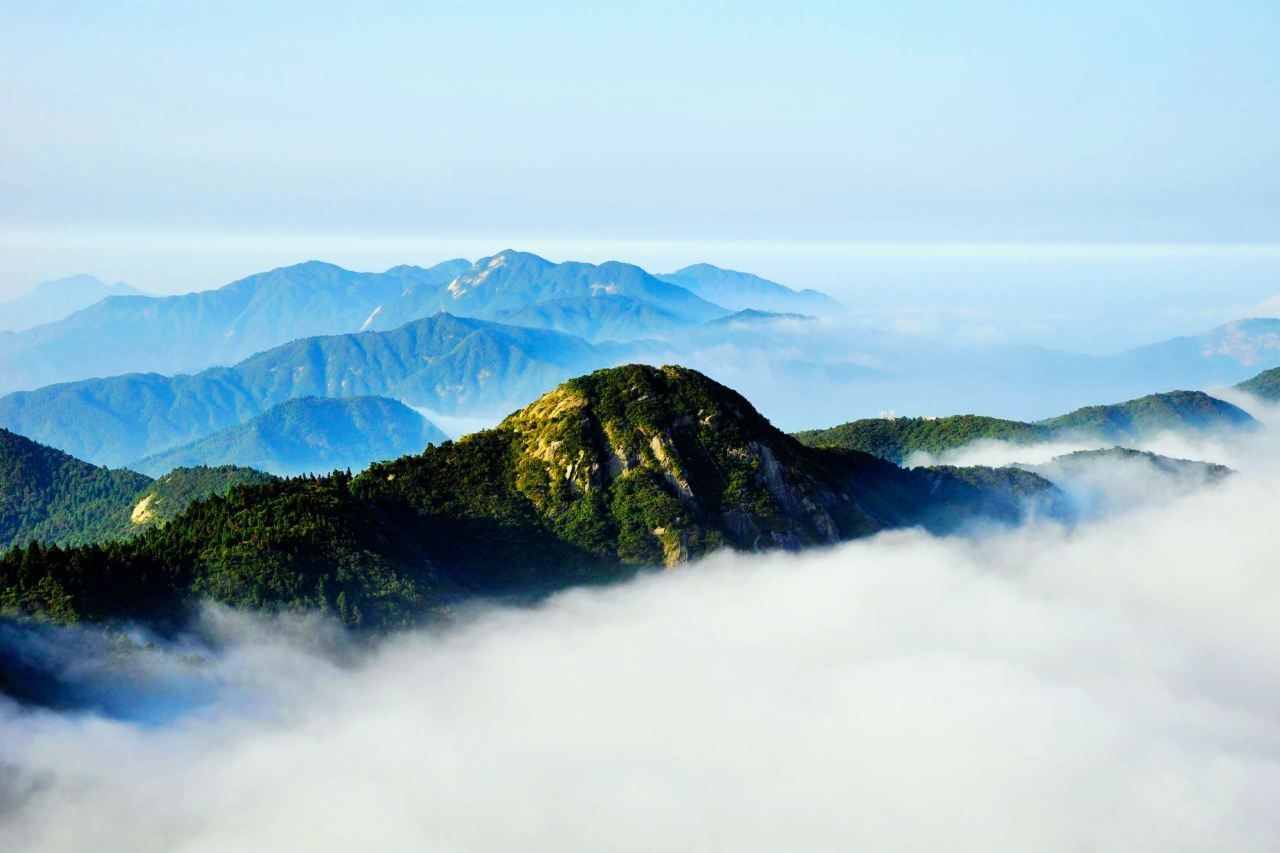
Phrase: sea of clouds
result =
(1109, 686)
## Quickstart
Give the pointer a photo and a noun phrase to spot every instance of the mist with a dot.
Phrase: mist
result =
(1114, 685)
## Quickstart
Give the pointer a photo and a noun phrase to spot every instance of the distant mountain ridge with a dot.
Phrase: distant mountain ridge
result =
(50, 301)
(176, 334)
(738, 291)
(308, 435)
(502, 285)
(442, 363)
(896, 439)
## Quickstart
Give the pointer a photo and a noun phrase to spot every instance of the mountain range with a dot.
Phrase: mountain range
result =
(54, 300)
(441, 363)
(611, 472)
(897, 439)
(308, 435)
(175, 334)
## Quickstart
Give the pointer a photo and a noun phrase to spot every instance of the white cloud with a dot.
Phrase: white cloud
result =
(1113, 687)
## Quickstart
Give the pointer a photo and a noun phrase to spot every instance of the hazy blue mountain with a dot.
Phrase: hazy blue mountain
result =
(54, 300)
(599, 317)
(1226, 354)
(171, 334)
(308, 435)
(503, 285)
(740, 290)
(443, 363)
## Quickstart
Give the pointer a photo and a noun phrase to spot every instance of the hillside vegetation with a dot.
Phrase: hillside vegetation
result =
(621, 469)
(1264, 386)
(895, 439)
(51, 497)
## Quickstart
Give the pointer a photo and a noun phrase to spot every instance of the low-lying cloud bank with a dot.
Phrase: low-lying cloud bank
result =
(1113, 687)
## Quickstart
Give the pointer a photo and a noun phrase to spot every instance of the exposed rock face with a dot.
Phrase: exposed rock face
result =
(667, 464)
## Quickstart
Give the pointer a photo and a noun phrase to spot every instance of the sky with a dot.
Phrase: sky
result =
(179, 146)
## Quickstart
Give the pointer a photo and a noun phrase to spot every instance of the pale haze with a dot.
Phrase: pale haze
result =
(179, 149)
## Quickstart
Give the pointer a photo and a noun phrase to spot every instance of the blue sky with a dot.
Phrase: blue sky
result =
(913, 122)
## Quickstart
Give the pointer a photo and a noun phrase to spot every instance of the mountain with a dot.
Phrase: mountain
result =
(171, 334)
(612, 472)
(753, 318)
(506, 286)
(1264, 386)
(166, 497)
(603, 316)
(740, 290)
(1145, 416)
(896, 439)
(1225, 354)
(308, 435)
(442, 363)
(1102, 482)
(49, 496)
(50, 301)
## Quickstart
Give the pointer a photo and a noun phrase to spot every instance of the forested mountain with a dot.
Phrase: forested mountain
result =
(740, 290)
(166, 497)
(172, 334)
(1173, 410)
(621, 469)
(308, 435)
(48, 496)
(54, 300)
(896, 439)
(1264, 386)
(443, 363)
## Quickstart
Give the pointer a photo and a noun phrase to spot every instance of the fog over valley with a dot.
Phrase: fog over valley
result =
(1110, 685)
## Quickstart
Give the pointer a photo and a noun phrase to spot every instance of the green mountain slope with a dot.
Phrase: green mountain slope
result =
(896, 439)
(308, 435)
(50, 496)
(443, 363)
(1265, 386)
(1174, 410)
(166, 497)
(56, 499)
(621, 469)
